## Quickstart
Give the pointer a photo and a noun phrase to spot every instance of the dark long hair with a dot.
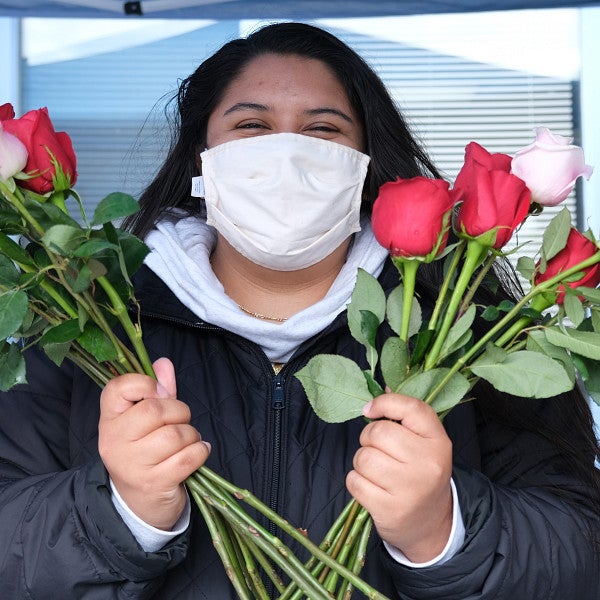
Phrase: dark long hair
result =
(393, 150)
(394, 153)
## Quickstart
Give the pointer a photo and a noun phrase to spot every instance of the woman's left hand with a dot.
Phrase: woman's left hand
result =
(402, 475)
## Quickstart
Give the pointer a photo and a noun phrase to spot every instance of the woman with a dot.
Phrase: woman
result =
(500, 502)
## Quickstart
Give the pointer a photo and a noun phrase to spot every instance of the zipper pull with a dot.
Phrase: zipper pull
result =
(278, 401)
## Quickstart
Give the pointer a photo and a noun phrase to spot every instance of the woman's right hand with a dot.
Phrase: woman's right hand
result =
(147, 444)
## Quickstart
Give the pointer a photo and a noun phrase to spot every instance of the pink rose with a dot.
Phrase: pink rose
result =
(13, 155)
(550, 166)
(411, 216)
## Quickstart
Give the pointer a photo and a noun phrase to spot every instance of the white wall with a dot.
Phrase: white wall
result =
(10, 81)
(590, 118)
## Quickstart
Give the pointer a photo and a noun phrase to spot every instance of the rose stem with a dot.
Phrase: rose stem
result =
(222, 545)
(292, 532)
(271, 545)
(473, 258)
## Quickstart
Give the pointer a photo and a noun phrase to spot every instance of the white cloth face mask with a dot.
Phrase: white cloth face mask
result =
(285, 201)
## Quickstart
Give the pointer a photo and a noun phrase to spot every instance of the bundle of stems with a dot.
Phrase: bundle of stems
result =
(67, 287)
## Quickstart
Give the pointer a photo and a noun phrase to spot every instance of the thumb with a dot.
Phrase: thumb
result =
(166, 385)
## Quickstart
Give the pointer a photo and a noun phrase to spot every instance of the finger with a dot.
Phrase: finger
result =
(379, 468)
(162, 443)
(123, 392)
(166, 386)
(365, 492)
(413, 413)
(392, 438)
(182, 464)
(149, 415)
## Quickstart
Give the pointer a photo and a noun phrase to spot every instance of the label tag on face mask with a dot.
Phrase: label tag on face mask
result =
(198, 187)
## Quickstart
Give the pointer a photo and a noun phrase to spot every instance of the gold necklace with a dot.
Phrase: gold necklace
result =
(264, 317)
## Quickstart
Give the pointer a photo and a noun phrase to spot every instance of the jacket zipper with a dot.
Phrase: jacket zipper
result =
(278, 405)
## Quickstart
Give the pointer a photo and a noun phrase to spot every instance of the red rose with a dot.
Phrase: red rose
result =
(491, 198)
(37, 133)
(410, 216)
(578, 248)
(7, 112)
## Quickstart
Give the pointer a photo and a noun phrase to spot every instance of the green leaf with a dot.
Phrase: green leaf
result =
(524, 373)
(368, 295)
(336, 387)
(421, 345)
(556, 234)
(369, 323)
(83, 280)
(94, 246)
(592, 378)
(48, 214)
(394, 362)
(57, 352)
(490, 313)
(506, 306)
(63, 239)
(595, 320)
(590, 294)
(574, 309)
(134, 250)
(374, 388)
(368, 326)
(586, 343)
(13, 251)
(13, 309)
(12, 366)
(453, 392)
(394, 306)
(115, 206)
(67, 331)
(94, 340)
(9, 274)
(422, 384)
(526, 267)
(457, 337)
(537, 342)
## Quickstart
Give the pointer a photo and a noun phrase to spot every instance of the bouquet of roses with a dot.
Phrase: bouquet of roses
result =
(67, 288)
(539, 346)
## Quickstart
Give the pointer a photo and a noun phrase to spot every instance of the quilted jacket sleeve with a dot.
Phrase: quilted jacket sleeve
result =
(531, 530)
(61, 536)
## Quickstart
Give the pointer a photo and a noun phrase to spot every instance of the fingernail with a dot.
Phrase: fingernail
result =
(207, 444)
(367, 408)
(161, 390)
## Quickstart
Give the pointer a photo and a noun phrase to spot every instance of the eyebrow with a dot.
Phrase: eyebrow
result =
(310, 112)
(246, 106)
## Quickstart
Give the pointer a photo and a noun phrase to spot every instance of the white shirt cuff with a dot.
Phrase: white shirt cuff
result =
(453, 545)
(148, 537)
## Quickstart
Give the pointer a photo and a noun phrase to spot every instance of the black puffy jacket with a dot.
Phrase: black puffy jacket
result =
(60, 537)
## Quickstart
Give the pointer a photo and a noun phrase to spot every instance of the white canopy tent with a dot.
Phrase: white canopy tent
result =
(259, 9)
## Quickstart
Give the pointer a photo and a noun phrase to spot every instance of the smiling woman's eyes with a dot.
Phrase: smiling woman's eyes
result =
(323, 127)
(251, 125)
